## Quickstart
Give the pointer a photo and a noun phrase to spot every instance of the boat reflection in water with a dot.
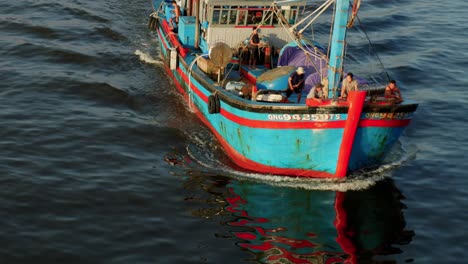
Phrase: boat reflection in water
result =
(287, 225)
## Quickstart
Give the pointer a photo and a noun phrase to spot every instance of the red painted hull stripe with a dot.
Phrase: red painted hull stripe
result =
(244, 162)
(162, 38)
(281, 125)
(293, 124)
(174, 39)
(383, 123)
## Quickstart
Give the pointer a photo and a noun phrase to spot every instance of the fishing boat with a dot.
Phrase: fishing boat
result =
(206, 46)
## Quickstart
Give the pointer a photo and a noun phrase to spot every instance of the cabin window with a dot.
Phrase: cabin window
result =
(269, 17)
(224, 17)
(216, 15)
(249, 16)
(242, 17)
(232, 16)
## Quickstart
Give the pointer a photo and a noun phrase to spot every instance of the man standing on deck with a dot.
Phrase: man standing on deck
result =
(176, 14)
(254, 43)
(296, 84)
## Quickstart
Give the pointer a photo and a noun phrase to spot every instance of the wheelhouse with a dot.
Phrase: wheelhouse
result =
(232, 22)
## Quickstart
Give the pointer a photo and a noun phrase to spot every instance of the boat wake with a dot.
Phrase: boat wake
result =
(358, 180)
(147, 58)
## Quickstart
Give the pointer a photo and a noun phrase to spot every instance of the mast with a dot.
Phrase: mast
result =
(197, 24)
(337, 45)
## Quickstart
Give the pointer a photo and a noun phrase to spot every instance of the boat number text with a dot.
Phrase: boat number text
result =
(305, 117)
(388, 115)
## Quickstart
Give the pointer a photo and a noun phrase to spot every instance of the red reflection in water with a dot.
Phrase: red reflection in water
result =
(276, 248)
(349, 227)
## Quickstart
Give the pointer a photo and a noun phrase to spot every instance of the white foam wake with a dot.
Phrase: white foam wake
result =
(358, 180)
(147, 58)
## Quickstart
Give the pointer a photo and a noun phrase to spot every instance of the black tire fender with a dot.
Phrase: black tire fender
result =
(150, 22)
(211, 104)
(153, 23)
(217, 107)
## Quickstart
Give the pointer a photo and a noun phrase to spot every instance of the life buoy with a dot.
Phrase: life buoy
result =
(213, 104)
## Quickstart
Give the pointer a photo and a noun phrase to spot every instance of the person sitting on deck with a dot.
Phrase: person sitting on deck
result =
(317, 93)
(296, 84)
(176, 14)
(349, 84)
(392, 91)
(254, 43)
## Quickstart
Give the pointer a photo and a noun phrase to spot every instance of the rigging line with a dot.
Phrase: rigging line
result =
(298, 40)
(160, 5)
(331, 29)
(300, 46)
(316, 17)
(311, 14)
(371, 46)
(282, 23)
(293, 37)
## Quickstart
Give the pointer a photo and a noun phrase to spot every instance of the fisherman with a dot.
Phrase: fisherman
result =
(176, 14)
(349, 84)
(392, 91)
(296, 84)
(317, 93)
(254, 43)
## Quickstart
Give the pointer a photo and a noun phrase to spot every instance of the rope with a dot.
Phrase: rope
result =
(324, 8)
(370, 47)
(190, 82)
(311, 14)
(297, 38)
(331, 28)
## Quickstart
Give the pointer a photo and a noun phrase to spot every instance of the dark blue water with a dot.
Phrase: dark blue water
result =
(102, 162)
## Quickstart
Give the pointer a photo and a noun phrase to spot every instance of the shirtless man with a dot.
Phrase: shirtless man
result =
(392, 91)
(176, 12)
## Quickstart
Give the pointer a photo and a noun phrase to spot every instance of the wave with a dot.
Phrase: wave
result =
(212, 160)
(147, 58)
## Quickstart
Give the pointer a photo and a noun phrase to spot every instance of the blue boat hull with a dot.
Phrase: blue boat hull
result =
(289, 140)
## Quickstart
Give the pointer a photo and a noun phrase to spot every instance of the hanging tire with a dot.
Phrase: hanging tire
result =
(153, 22)
(217, 104)
(211, 104)
(150, 22)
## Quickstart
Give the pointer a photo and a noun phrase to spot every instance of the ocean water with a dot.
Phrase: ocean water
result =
(101, 161)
